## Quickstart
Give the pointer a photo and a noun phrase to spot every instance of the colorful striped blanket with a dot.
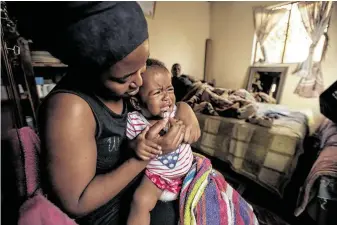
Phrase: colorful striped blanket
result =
(207, 199)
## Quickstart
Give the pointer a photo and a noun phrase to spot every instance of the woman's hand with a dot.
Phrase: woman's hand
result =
(172, 139)
(145, 149)
(186, 114)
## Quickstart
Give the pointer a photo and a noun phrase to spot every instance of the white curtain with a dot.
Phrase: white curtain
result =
(265, 21)
(315, 17)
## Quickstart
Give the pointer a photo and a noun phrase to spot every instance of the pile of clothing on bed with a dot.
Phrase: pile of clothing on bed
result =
(240, 104)
(325, 144)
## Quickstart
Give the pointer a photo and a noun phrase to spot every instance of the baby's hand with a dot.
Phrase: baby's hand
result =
(146, 149)
(174, 137)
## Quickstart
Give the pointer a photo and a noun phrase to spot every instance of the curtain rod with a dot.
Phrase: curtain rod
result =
(281, 4)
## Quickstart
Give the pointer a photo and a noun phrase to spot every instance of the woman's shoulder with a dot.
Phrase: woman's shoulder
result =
(64, 102)
(65, 108)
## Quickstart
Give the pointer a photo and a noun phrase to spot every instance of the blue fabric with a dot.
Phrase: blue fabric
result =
(169, 160)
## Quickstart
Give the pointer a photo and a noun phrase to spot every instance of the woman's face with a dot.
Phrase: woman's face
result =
(123, 79)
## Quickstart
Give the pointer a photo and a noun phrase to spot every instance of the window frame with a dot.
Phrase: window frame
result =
(255, 46)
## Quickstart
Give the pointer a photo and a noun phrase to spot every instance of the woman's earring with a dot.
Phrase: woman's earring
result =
(135, 103)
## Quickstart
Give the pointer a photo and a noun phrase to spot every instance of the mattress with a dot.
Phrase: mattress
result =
(267, 156)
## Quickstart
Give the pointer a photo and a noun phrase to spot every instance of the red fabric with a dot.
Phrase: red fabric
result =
(37, 210)
(17, 163)
(25, 147)
(325, 165)
(40, 211)
(173, 186)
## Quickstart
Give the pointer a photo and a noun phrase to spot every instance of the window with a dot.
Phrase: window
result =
(289, 41)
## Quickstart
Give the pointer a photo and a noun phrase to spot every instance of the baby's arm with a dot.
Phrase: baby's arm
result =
(145, 149)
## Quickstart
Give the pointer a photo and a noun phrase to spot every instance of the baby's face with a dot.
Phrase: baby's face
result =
(156, 93)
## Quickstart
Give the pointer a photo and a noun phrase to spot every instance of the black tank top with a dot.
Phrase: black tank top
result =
(110, 139)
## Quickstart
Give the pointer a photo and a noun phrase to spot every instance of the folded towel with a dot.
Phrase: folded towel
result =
(206, 198)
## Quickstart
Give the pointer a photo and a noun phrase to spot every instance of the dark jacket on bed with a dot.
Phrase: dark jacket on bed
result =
(182, 85)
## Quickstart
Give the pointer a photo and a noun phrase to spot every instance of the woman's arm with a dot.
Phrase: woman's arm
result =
(68, 138)
(186, 114)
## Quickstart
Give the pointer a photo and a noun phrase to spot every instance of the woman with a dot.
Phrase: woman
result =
(82, 122)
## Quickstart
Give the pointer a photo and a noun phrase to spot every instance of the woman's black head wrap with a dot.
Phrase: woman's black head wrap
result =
(93, 35)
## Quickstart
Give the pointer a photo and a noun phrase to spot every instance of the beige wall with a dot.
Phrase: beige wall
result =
(232, 33)
(178, 33)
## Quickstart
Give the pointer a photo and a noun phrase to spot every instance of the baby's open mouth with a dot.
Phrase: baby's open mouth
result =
(166, 110)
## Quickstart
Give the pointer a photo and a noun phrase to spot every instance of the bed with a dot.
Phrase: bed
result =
(268, 156)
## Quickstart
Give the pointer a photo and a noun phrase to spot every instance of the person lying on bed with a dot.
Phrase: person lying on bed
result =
(165, 172)
(181, 83)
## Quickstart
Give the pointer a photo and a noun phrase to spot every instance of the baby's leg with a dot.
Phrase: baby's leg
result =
(144, 200)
